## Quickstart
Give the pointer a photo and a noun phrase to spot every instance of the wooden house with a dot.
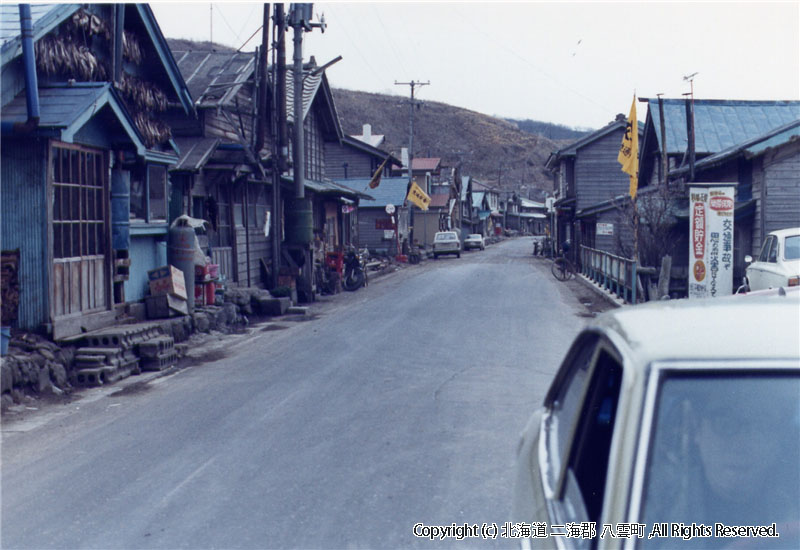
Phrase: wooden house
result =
(767, 171)
(587, 180)
(222, 178)
(85, 157)
(747, 142)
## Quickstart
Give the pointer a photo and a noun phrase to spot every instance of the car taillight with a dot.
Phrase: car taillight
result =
(794, 281)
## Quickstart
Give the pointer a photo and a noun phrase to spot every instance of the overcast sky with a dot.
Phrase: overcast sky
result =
(571, 63)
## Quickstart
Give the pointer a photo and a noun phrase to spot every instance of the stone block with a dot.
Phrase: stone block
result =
(272, 306)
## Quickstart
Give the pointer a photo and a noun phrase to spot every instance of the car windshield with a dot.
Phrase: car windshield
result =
(726, 449)
(445, 236)
(792, 247)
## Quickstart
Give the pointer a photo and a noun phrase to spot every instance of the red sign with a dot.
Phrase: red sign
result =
(721, 203)
(699, 230)
(699, 271)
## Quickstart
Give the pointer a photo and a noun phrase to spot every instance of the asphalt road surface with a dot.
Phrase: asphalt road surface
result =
(396, 405)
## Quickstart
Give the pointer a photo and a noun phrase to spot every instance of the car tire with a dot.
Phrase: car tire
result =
(458, 255)
(435, 256)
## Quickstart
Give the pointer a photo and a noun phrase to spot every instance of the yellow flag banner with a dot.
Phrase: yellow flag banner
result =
(376, 177)
(418, 196)
(628, 155)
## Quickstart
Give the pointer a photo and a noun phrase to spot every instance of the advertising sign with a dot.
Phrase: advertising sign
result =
(710, 240)
(605, 229)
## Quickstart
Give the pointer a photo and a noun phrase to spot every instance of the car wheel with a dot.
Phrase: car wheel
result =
(435, 256)
(458, 255)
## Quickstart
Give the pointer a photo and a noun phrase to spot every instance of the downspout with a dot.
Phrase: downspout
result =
(31, 82)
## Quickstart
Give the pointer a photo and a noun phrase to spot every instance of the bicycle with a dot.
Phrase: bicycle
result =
(562, 269)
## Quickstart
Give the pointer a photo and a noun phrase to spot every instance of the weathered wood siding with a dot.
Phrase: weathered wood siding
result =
(359, 164)
(782, 176)
(216, 124)
(370, 235)
(598, 176)
(24, 223)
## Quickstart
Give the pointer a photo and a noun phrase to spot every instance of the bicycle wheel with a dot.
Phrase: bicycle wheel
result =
(560, 269)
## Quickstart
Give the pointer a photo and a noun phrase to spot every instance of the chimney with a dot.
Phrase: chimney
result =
(404, 157)
(367, 132)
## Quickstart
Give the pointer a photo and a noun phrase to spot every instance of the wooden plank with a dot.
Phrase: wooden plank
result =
(74, 287)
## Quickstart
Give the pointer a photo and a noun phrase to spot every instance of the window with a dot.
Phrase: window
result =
(726, 448)
(79, 202)
(157, 186)
(792, 248)
(763, 256)
(149, 194)
(591, 444)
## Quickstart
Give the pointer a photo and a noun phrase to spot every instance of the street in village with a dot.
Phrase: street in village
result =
(399, 404)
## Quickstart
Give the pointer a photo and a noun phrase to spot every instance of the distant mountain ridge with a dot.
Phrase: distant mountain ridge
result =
(491, 149)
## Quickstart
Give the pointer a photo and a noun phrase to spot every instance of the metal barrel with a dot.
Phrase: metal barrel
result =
(300, 222)
(120, 210)
(181, 254)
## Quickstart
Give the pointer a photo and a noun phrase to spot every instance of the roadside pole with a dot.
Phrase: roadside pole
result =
(410, 206)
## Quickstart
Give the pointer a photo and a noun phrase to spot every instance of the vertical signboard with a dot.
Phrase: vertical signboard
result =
(710, 240)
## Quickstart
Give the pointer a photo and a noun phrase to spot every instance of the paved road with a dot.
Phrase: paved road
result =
(398, 404)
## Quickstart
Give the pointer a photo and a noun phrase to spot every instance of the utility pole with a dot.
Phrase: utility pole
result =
(279, 135)
(413, 84)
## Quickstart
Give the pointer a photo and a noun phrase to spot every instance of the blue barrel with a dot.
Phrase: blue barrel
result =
(120, 209)
(181, 254)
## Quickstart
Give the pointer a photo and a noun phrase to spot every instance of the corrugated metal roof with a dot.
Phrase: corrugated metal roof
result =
(214, 78)
(310, 86)
(439, 201)
(390, 191)
(427, 164)
(778, 136)
(719, 124)
(70, 107)
(195, 151)
(44, 17)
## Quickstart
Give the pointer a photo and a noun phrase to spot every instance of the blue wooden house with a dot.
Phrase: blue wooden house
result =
(84, 158)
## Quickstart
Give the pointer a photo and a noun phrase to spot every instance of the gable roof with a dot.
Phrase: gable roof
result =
(44, 18)
(65, 109)
(390, 191)
(426, 164)
(439, 200)
(719, 124)
(356, 143)
(572, 149)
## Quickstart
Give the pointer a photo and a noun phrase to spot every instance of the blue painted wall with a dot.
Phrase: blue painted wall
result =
(23, 207)
(146, 252)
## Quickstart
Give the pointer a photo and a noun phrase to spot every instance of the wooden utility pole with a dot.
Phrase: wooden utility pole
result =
(413, 84)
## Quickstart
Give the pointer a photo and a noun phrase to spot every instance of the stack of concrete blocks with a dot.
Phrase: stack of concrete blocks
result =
(110, 354)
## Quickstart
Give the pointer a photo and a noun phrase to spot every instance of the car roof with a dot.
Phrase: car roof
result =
(786, 232)
(735, 327)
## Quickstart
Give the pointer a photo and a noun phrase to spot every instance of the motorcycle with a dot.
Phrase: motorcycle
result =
(355, 275)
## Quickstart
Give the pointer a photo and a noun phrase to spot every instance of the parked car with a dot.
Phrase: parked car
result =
(446, 242)
(686, 412)
(475, 240)
(778, 263)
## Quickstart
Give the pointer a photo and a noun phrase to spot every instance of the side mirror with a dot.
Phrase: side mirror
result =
(748, 259)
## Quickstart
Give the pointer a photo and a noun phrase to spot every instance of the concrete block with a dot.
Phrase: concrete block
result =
(272, 306)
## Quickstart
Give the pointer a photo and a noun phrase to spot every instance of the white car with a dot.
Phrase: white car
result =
(669, 425)
(446, 242)
(475, 240)
(778, 263)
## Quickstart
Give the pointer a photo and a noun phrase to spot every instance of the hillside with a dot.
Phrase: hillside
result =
(488, 148)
